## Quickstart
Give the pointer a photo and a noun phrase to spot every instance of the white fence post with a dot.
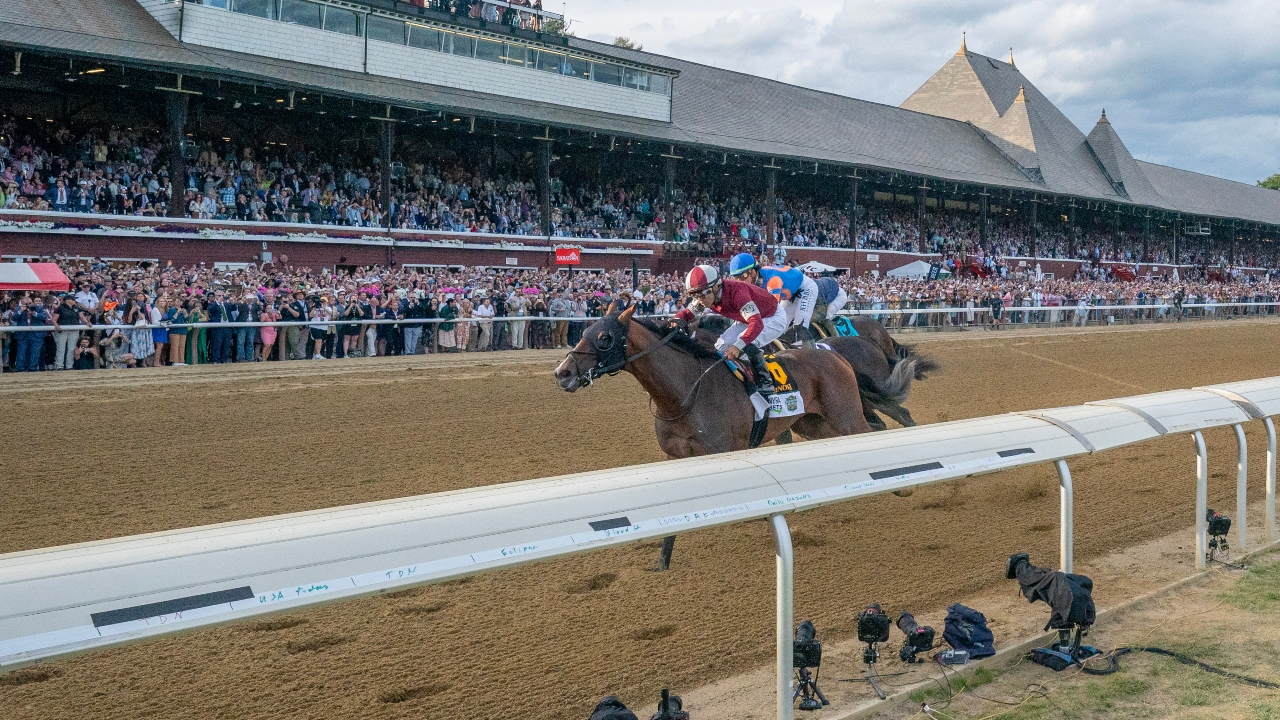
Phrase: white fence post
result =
(1202, 500)
(1270, 509)
(1242, 484)
(1066, 520)
(782, 539)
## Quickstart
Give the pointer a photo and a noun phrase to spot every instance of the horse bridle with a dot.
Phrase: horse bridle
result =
(612, 359)
(618, 350)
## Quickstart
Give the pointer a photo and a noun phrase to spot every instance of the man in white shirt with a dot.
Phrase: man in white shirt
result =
(484, 313)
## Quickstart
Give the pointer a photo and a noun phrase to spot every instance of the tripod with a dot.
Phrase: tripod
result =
(869, 656)
(1218, 544)
(807, 690)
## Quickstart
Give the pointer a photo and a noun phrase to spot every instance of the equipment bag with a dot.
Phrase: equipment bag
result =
(966, 629)
(611, 708)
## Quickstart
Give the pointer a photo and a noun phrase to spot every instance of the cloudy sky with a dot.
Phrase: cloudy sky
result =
(1194, 84)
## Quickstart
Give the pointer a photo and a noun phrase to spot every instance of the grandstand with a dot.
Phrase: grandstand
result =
(976, 160)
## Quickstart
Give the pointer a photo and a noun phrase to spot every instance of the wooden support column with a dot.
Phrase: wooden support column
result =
(544, 181)
(176, 106)
(1035, 224)
(853, 210)
(1071, 230)
(1146, 237)
(669, 194)
(922, 196)
(388, 140)
(984, 226)
(771, 201)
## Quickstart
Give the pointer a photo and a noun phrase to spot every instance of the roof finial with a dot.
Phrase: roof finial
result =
(1022, 94)
(1011, 58)
(964, 48)
(1103, 119)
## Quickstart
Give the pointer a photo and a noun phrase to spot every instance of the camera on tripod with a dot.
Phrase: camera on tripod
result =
(1219, 526)
(873, 627)
(919, 638)
(807, 653)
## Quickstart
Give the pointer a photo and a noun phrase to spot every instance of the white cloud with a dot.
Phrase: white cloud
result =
(1191, 84)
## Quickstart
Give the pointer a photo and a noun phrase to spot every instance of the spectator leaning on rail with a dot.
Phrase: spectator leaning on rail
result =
(68, 312)
(30, 344)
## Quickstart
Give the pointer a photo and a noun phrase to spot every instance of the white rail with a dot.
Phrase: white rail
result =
(65, 600)
(1066, 311)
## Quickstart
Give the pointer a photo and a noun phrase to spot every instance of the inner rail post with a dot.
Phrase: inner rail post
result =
(1270, 509)
(1242, 485)
(1202, 500)
(782, 540)
(1066, 524)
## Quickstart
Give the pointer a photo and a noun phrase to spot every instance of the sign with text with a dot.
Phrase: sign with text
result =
(568, 255)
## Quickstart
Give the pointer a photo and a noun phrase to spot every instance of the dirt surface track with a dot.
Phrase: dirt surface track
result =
(107, 454)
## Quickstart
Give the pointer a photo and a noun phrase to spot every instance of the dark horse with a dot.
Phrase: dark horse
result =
(884, 380)
(699, 407)
(871, 329)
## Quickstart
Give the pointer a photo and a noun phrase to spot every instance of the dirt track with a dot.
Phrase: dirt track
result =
(91, 457)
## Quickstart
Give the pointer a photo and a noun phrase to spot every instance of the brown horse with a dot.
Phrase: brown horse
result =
(698, 406)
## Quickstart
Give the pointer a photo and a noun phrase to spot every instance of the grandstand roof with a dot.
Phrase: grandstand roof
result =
(978, 120)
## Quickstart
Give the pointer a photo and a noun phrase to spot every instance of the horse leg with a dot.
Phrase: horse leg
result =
(899, 414)
(872, 418)
(664, 560)
(815, 427)
(784, 438)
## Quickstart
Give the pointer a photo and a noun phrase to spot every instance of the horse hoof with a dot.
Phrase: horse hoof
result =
(904, 493)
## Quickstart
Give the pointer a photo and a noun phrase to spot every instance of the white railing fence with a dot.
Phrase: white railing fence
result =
(72, 599)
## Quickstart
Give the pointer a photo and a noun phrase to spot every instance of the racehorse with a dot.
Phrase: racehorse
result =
(699, 407)
(884, 381)
(871, 329)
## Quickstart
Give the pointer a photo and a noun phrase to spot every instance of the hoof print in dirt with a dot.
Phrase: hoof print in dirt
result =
(26, 676)
(657, 633)
(591, 584)
(400, 695)
(426, 609)
(313, 644)
(277, 624)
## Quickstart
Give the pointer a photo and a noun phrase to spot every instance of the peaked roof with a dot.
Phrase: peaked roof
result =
(1017, 118)
(1119, 165)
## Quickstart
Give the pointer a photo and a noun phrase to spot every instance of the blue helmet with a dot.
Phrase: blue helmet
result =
(741, 263)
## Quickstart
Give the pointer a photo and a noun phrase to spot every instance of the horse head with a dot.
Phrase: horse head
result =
(601, 351)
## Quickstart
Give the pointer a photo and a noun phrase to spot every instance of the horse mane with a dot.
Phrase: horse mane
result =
(681, 340)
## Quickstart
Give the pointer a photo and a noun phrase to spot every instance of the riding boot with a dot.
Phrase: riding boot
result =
(763, 378)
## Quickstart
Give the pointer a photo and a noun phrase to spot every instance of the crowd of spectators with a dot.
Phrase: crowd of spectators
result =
(381, 311)
(123, 171)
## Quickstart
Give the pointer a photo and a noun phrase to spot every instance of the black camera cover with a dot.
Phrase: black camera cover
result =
(873, 625)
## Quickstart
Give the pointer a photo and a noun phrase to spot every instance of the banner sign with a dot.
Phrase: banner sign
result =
(568, 255)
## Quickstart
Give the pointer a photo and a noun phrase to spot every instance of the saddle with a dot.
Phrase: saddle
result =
(783, 402)
(781, 380)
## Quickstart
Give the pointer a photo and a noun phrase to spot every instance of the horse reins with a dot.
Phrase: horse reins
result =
(599, 369)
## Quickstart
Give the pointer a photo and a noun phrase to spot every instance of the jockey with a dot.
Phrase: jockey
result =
(757, 318)
(831, 299)
(796, 292)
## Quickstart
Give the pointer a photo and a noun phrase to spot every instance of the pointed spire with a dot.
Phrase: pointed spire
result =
(1022, 94)
(1103, 119)
(1011, 58)
(964, 48)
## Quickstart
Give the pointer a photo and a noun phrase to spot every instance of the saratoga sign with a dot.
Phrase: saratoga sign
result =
(568, 255)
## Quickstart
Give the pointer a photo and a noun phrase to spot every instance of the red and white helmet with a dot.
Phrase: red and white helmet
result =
(700, 278)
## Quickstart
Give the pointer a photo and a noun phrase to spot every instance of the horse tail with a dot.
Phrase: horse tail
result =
(922, 366)
(900, 351)
(894, 389)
